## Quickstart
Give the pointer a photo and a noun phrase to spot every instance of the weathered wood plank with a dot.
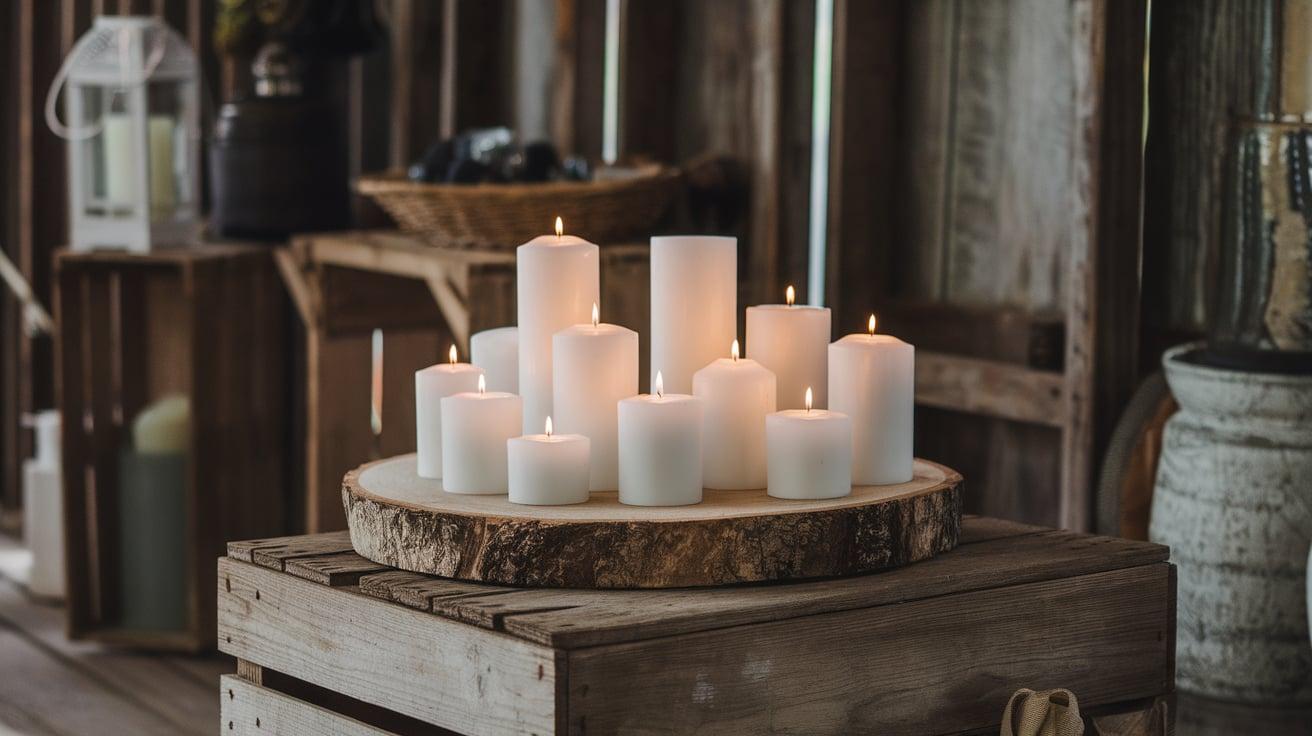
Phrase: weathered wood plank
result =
(271, 552)
(851, 672)
(991, 388)
(160, 685)
(420, 591)
(343, 568)
(64, 699)
(418, 665)
(248, 708)
(609, 617)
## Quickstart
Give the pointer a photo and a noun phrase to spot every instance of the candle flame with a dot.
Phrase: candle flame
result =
(808, 398)
(733, 349)
(451, 354)
(790, 295)
(870, 326)
(660, 384)
(560, 227)
(482, 384)
(548, 426)
(596, 316)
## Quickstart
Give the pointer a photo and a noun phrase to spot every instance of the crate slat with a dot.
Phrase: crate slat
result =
(271, 552)
(416, 664)
(419, 591)
(948, 663)
(247, 708)
(343, 568)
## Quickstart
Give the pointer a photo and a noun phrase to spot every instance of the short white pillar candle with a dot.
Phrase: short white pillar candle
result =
(475, 428)
(872, 380)
(548, 469)
(432, 384)
(737, 394)
(694, 304)
(809, 453)
(660, 448)
(792, 341)
(496, 351)
(558, 279)
(595, 365)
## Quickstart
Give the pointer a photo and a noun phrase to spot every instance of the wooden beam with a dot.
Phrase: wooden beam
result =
(990, 388)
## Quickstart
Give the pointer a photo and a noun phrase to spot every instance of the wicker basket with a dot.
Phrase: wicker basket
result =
(502, 216)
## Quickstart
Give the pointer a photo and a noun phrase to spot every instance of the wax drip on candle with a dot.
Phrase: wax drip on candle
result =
(733, 350)
(870, 326)
(482, 385)
(560, 228)
(808, 398)
(790, 295)
(451, 354)
(596, 316)
(548, 425)
(660, 385)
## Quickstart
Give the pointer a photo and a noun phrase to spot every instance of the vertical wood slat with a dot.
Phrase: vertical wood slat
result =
(1211, 62)
(861, 175)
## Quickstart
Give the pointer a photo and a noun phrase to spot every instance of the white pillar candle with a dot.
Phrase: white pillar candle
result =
(694, 304)
(792, 341)
(872, 380)
(558, 281)
(548, 469)
(476, 426)
(432, 384)
(594, 366)
(497, 353)
(660, 449)
(809, 453)
(737, 394)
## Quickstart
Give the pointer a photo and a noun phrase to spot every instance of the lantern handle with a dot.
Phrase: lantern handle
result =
(57, 84)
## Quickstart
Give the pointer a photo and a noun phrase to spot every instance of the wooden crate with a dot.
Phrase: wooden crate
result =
(423, 298)
(209, 323)
(329, 641)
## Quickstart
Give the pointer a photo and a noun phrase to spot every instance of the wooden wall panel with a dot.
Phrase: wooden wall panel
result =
(1211, 59)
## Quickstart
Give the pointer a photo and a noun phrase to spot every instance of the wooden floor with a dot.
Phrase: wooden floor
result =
(49, 685)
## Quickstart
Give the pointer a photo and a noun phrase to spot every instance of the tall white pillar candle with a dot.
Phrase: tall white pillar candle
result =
(558, 281)
(594, 366)
(660, 449)
(694, 304)
(792, 341)
(496, 351)
(548, 469)
(431, 385)
(476, 426)
(872, 380)
(737, 395)
(809, 454)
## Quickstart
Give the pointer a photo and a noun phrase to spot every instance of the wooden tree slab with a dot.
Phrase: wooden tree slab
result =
(401, 520)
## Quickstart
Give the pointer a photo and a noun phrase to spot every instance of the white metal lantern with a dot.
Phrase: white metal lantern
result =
(133, 118)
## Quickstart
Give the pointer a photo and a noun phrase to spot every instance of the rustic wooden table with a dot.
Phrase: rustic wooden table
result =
(328, 640)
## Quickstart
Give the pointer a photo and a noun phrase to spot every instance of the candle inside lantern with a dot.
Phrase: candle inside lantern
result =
(431, 385)
(694, 304)
(548, 469)
(660, 442)
(791, 341)
(496, 351)
(737, 394)
(808, 452)
(595, 365)
(872, 380)
(476, 427)
(558, 281)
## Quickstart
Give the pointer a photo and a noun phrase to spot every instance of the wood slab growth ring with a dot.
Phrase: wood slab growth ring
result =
(401, 520)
